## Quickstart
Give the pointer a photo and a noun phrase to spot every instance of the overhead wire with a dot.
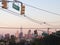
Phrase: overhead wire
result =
(31, 18)
(15, 13)
(36, 8)
(43, 10)
(40, 9)
(35, 21)
(9, 11)
(41, 23)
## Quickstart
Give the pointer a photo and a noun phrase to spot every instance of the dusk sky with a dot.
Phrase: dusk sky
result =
(14, 20)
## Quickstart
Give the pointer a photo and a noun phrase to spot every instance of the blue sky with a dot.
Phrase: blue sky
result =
(49, 5)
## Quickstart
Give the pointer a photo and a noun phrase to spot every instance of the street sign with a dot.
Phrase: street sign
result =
(16, 7)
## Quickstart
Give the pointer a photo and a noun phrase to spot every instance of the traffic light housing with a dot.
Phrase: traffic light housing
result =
(22, 9)
(4, 4)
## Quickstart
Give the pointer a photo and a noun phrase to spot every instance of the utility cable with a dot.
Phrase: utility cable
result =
(14, 13)
(32, 19)
(35, 21)
(36, 8)
(42, 9)
(9, 11)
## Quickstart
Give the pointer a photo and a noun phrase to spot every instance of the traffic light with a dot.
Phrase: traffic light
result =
(22, 9)
(4, 4)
